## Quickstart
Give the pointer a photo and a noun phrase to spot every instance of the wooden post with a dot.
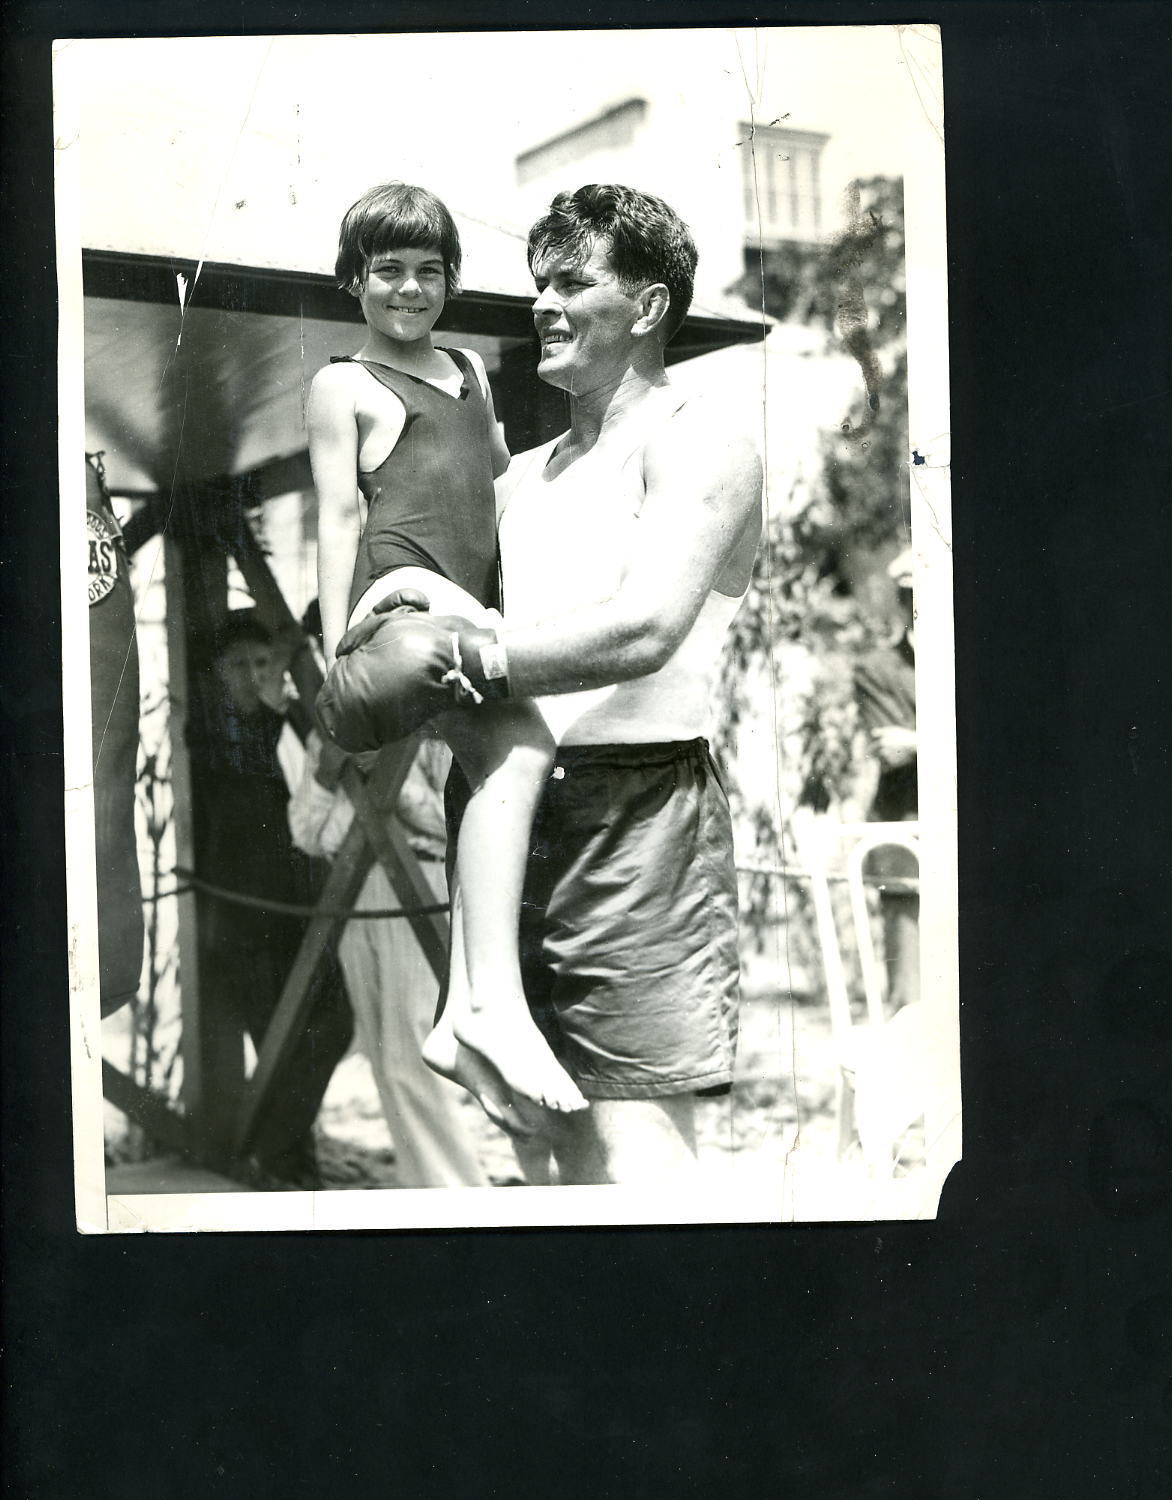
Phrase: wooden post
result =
(145, 1108)
(181, 792)
(212, 1040)
(350, 868)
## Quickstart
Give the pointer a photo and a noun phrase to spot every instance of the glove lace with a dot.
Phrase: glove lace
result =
(462, 689)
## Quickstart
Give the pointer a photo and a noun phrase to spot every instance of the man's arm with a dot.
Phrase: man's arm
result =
(883, 711)
(333, 456)
(319, 815)
(698, 529)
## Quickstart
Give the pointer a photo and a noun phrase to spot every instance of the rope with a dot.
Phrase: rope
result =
(385, 914)
(909, 883)
(179, 890)
(289, 908)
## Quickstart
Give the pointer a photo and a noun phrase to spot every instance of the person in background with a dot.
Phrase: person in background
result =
(244, 847)
(391, 985)
(885, 690)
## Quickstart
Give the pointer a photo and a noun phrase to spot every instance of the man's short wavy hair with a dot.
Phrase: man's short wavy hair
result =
(395, 216)
(645, 239)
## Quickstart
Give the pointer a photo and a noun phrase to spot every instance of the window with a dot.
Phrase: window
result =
(783, 197)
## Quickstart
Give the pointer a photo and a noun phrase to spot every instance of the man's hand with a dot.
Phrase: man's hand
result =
(331, 763)
(403, 602)
(397, 669)
(400, 602)
(894, 745)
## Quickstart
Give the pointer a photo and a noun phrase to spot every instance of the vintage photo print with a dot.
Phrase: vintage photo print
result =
(591, 445)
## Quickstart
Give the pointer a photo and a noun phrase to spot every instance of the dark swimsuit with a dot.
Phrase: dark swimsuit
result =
(431, 500)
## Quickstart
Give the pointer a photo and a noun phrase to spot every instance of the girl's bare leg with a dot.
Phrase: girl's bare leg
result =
(486, 1039)
(506, 752)
(444, 1053)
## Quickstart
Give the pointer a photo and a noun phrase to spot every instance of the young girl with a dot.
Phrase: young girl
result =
(411, 425)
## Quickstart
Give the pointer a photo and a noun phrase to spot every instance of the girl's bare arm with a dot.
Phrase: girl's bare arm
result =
(333, 456)
(500, 452)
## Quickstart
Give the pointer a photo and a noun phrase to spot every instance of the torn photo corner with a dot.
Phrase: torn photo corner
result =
(753, 994)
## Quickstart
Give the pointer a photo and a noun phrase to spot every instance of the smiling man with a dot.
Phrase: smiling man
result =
(627, 545)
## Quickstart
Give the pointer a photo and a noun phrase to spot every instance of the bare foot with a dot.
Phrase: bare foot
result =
(446, 1055)
(512, 1044)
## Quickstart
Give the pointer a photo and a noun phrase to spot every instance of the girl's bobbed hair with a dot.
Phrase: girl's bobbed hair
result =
(395, 216)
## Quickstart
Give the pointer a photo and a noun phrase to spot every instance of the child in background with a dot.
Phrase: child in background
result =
(411, 426)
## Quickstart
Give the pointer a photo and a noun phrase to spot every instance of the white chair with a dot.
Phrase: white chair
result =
(884, 1064)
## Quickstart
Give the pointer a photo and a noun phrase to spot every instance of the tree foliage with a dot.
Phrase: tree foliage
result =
(811, 610)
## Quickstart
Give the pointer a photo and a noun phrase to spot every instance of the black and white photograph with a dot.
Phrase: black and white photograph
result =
(509, 728)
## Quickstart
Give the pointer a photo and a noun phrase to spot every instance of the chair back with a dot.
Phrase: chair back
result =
(869, 839)
(830, 851)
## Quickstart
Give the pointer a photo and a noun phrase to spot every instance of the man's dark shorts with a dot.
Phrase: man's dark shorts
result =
(629, 919)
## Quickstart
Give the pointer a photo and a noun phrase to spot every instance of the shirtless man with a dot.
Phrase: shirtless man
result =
(627, 545)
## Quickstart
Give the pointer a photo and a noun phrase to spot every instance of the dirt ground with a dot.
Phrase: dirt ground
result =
(757, 1121)
(776, 1132)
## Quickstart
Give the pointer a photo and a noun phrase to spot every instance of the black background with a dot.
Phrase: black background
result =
(1021, 1345)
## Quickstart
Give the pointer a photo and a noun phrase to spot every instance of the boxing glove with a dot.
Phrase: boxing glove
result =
(480, 658)
(396, 670)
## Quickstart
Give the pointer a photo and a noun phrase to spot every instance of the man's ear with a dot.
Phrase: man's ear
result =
(654, 302)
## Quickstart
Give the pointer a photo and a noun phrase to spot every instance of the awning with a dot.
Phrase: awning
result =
(214, 361)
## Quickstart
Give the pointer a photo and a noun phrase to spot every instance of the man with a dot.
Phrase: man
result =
(626, 546)
(885, 689)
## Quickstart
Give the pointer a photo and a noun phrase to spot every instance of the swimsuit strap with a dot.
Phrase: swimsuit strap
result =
(461, 361)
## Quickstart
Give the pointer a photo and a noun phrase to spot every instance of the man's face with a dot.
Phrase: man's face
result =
(404, 293)
(584, 321)
(250, 672)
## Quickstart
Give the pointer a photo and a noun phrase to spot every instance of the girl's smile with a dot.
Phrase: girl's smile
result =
(404, 293)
